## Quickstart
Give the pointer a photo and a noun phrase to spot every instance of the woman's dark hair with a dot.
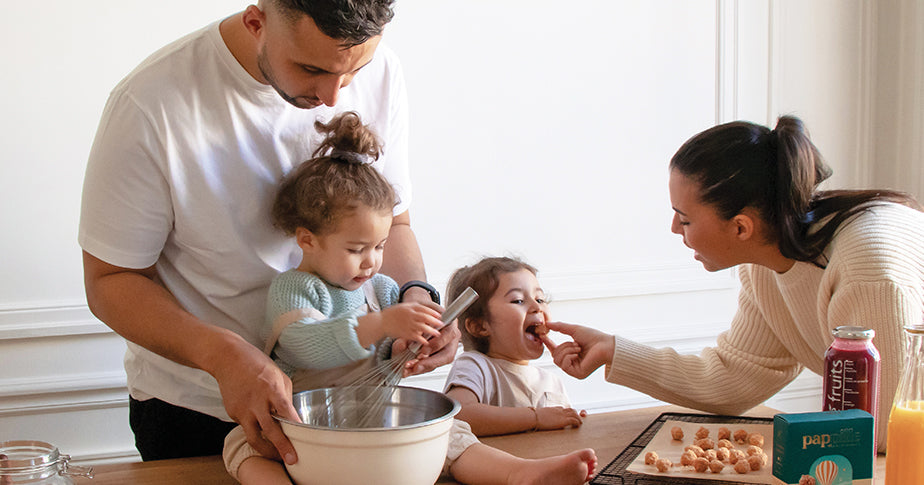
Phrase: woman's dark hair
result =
(319, 191)
(483, 277)
(776, 172)
(351, 21)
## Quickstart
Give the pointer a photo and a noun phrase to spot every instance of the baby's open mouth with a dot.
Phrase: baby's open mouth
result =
(537, 329)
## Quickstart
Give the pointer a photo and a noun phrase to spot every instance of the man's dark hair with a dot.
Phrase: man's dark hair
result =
(351, 21)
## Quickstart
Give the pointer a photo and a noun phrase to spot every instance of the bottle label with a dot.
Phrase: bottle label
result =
(843, 388)
(850, 381)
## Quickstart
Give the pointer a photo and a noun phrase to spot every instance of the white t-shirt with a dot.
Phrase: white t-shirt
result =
(182, 174)
(498, 382)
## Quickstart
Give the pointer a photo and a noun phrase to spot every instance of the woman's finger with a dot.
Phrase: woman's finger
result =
(548, 342)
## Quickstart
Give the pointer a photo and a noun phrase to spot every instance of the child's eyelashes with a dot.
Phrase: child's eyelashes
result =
(520, 301)
(360, 250)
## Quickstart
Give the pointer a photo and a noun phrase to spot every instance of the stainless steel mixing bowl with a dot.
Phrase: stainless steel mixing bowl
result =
(403, 441)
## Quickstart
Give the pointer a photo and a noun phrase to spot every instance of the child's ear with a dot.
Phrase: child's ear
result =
(305, 239)
(477, 328)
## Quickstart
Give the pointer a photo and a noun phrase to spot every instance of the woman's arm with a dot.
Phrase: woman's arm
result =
(748, 365)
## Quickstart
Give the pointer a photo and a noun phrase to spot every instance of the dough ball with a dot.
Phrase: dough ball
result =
(807, 480)
(756, 462)
(734, 456)
(705, 443)
(696, 450)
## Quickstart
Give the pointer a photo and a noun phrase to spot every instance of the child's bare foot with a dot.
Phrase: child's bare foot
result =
(574, 468)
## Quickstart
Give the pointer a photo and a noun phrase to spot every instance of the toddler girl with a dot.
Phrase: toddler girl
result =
(502, 331)
(331, 319)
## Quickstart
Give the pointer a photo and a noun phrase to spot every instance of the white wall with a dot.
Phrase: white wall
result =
(537, 130)
(898, 100)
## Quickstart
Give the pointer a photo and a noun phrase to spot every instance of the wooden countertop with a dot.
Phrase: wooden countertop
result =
(607, 433)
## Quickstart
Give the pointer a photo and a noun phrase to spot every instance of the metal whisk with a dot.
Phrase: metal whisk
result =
(360, 404)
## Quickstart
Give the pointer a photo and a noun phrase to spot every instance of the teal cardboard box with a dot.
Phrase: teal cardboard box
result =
(831, 447)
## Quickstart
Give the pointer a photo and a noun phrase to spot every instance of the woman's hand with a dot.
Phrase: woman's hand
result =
(589, 349)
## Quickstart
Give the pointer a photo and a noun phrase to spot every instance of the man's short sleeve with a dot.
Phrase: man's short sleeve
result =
(126, 211)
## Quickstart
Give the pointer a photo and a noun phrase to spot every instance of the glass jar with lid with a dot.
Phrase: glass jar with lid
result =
(851, 376)
(37, 463)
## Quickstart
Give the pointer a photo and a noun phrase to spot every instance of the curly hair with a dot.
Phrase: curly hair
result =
(321, 190)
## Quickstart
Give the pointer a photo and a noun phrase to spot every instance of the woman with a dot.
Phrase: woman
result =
(809, 261)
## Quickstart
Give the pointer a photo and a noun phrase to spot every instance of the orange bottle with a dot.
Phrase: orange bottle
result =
(905, 445)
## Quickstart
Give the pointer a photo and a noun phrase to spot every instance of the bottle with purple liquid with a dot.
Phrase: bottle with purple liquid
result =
(851, 378)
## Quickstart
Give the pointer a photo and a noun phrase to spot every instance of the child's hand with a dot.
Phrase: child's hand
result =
(559, 417)
(412, 322)
(589, 350)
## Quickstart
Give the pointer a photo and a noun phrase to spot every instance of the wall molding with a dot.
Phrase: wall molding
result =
(897, 134)
(55, 394)
(726, 86)
(32, 409)
(52, 385)
(582, 284)
(863, 172)
(910, 122)
(628, 281)
(773, 61)
(50, 321)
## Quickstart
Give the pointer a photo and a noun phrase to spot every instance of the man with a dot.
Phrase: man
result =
(178, 245)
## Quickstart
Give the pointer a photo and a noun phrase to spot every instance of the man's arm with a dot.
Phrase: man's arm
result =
(136, 306)
(404, 262)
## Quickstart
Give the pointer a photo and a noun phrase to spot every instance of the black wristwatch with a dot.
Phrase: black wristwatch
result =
(434, 295)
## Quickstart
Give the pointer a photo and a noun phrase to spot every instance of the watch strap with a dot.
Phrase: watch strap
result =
(434, 295)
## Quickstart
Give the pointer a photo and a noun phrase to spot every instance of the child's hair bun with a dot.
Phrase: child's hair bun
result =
(338, 179)
(347, 139)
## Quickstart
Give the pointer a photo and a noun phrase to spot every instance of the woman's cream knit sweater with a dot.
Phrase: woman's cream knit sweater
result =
(874, 278)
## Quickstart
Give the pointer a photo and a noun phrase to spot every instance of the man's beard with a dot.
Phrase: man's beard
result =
(270, 77)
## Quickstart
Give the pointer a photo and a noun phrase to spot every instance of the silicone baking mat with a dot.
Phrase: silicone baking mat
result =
(616, 472)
